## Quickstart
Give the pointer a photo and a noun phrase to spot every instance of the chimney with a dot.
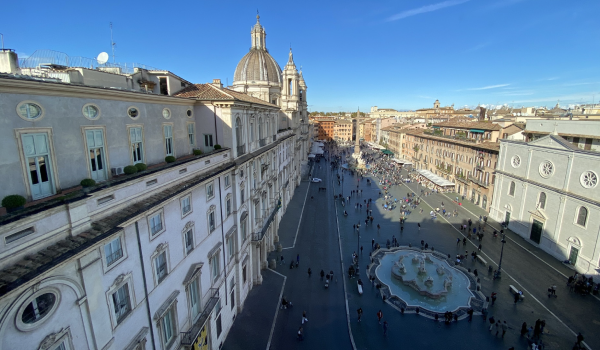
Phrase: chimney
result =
(9, 62)
(217, 83)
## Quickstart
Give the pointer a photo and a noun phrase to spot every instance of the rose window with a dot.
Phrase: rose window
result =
(546, 169)
(516, 161)
(589, 179)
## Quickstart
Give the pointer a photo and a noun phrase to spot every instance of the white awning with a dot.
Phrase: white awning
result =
(438, 180)
(401, 161)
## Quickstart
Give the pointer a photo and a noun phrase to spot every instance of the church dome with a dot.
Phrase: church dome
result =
(257, 65)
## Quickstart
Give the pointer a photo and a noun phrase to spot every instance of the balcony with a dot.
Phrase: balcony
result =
(480, 183)
(258, 236)
(480, 167)
(462, 179)
(457, 138)
(241, 150)
(263, 142)
(188, 338)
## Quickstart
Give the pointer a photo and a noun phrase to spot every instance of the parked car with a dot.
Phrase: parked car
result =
(316, 179)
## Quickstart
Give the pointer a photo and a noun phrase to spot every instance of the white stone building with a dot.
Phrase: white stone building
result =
(547, 190)
(160, 259)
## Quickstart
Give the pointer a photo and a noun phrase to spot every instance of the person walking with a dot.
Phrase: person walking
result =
(297, 260)
(493, 297)
(359, 312)
(309, 272)
(523, 328)
(372, 243)
(322, 274)
(579, 339)
(498, 327)
(300, 334)
(304, 319)
(504, 328)
(361, 248)
(385, 327)
(379, 316)
(282, 260)
(457, 241)
(492, 321)
(419, 225)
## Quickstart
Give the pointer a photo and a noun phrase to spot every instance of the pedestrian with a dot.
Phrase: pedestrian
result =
(494, 297)
(479, 248)
(492, 321)
(457, 241)
(282, 260)
(361, 248)
(297, 260)
(464, 242)
(300, 331)
(304, 319)
(360, 312)
(372, 243)
(419, 225)
(579, 339)
(470, 313)
(523, 328)
(322, 274)
(385, 327)
(379, 316)
(309, 272)
(517, 296)
(498, 326)
(504, 328)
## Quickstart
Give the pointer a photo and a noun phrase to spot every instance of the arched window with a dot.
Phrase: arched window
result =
(239, 139)
(260, 128)
(582, 216)
(542, 201)
(267, 129)
(251, 131)
(511, 190)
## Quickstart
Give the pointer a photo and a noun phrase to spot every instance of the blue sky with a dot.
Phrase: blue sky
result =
(394, 54)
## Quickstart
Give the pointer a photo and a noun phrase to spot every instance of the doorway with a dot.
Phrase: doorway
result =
(507, 218)
(536, 231)
(573, 255)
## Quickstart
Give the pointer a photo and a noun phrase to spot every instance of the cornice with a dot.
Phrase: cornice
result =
(34, 87)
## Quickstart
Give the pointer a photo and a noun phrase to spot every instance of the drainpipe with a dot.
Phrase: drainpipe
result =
(139, 242)
(223, 238)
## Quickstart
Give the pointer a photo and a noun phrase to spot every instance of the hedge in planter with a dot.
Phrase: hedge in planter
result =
(141, 167)
(197, 152)
(130, 169)
(87, 183)
(217, 146)
(13, 201)
(169, 159)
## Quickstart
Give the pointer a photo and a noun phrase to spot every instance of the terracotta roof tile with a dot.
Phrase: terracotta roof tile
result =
(469, 125)
(211, 92)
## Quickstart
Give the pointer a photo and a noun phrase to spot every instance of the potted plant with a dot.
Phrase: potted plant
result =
(217, 146)
(141, 167)
(130, 169)
(170, 159)
(13, 202)
(87, 184)
(197, 152)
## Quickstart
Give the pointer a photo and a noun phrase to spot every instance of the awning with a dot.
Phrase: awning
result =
(388, 152)
(401, 161)
(311, 155)
(477, 130)
(438, 180)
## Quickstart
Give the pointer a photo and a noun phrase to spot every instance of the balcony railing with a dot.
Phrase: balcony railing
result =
(462, 179)
(263, 142)
(258, 236)
(241, 150)
(480, 167)
(480, 183)
(188, 338)
(457, 138)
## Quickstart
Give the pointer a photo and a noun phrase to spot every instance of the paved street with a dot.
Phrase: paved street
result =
(315, 234)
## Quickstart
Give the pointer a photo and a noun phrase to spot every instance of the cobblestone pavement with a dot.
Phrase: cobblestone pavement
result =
(314, 236)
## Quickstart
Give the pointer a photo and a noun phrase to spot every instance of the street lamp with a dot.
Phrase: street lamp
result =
(498, 272)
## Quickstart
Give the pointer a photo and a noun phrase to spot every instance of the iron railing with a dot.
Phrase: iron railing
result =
(479, 182)
(258, 236)
(188, 338)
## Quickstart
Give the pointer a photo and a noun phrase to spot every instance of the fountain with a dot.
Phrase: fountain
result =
(429, 282)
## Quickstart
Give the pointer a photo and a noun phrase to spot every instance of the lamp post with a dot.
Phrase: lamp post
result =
(498, 272)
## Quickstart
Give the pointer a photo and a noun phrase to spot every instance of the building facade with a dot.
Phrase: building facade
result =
(160, 259)
(547, 191)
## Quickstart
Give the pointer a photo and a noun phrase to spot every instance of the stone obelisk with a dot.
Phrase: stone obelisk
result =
(357, 154)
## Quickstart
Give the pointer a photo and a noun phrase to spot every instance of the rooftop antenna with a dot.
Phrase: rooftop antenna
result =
(112, 43)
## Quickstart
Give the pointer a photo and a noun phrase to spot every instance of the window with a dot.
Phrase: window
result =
(228, 206)
(215, 268)
(191, 134)
(244, 274)
(113, 251)
(582, 216)
(542, 201)
(219, 326)
(167, 327)
(211, 220)
(511, 190)
(166, 113)
(38, 308)
(156, 225)
(95, 145)
(186, 205)
(160, 266)
(208, 140)
(251, 131)
(230, 247)
(227, 181)
(239, 140)
(30, 110)
(189, 113)
(121, 302)
(133, 112)
(194, 296)
(91, 111)
(188, 238)
(168, 134)
(39, 164)
(243, 228)
(137, 145)
(242, 197)
(210, 190)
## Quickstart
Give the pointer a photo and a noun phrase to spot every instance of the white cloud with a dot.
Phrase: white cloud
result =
(485, 87)
(425, 9)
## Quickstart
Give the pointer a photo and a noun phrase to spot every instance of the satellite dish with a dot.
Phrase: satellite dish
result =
(102, 58)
